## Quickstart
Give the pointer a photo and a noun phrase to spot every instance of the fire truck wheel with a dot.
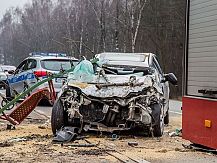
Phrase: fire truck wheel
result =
(158, 127)
(57, 116)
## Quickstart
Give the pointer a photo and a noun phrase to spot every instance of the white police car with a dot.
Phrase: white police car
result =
(36, 67)
(4, 74)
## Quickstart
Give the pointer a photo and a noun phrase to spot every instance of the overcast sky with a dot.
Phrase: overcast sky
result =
(6, 4)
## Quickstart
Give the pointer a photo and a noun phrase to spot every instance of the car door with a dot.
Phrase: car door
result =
(16, 80)
(24, 77)
(165, 85)
(29, 77)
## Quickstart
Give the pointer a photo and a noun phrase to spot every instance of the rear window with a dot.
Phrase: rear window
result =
(57, 65)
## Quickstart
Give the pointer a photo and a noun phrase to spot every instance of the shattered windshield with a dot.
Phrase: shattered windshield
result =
(125, 69)
(85, 72)
(123, 64)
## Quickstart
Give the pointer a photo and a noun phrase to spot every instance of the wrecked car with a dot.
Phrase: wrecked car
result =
(121, 91)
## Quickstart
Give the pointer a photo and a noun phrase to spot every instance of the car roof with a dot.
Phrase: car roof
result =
(51, 57)
(7, 66)
(131, 59)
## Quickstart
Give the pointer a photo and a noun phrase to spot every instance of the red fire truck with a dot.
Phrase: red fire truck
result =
(199, 108)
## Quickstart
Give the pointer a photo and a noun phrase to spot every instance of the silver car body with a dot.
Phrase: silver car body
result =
(4, 74)
(25, 74)
(124, 59)
(120, 91)
(6, 68)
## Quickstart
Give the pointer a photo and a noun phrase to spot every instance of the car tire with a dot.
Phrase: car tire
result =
(2, 85)
(8, 91)
(158, 126)
(57, 116)
(166, 118)
(45, 102)
(5, 102)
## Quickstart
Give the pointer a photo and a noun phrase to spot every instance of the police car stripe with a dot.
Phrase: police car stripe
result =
(16, 79)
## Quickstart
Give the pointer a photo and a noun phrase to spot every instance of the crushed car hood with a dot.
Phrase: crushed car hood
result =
(117, 85)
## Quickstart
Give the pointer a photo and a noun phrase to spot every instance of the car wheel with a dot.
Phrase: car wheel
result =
(2, 85)
(166, 118)
(158, 126)
(8, 91)
(45, 102)
(57, 116)
(5, 102)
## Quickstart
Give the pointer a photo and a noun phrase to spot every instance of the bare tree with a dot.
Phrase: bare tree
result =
(92, 26)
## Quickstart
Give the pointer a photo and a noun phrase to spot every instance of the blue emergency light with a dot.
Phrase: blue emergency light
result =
(48, 54)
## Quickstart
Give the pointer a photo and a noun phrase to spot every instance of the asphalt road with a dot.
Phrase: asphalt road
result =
(175, 107)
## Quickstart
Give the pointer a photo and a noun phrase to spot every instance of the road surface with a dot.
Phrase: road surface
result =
(175, 107)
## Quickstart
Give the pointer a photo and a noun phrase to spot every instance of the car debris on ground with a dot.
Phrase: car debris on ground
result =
(66, 134)
(39, 146)
(133, 144)
(177, 132)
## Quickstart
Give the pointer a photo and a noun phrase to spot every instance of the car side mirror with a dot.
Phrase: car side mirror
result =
(171, 78)
(11, 72)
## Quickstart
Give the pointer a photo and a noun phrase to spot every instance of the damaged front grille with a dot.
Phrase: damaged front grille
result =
(113, 112)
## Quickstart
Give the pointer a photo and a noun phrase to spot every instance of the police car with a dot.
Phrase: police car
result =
(4, 73)
(36, 67)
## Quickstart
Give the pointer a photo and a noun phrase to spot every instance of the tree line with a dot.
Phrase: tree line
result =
(88, 27)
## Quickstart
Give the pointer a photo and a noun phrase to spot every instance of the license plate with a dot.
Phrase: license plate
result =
(58, 80)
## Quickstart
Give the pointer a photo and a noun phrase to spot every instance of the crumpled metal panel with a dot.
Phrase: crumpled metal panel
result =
(116, 91)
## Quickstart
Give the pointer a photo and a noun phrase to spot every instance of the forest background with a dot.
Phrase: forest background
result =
(88, 27)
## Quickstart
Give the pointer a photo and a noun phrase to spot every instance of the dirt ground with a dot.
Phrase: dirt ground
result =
(32, 142)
